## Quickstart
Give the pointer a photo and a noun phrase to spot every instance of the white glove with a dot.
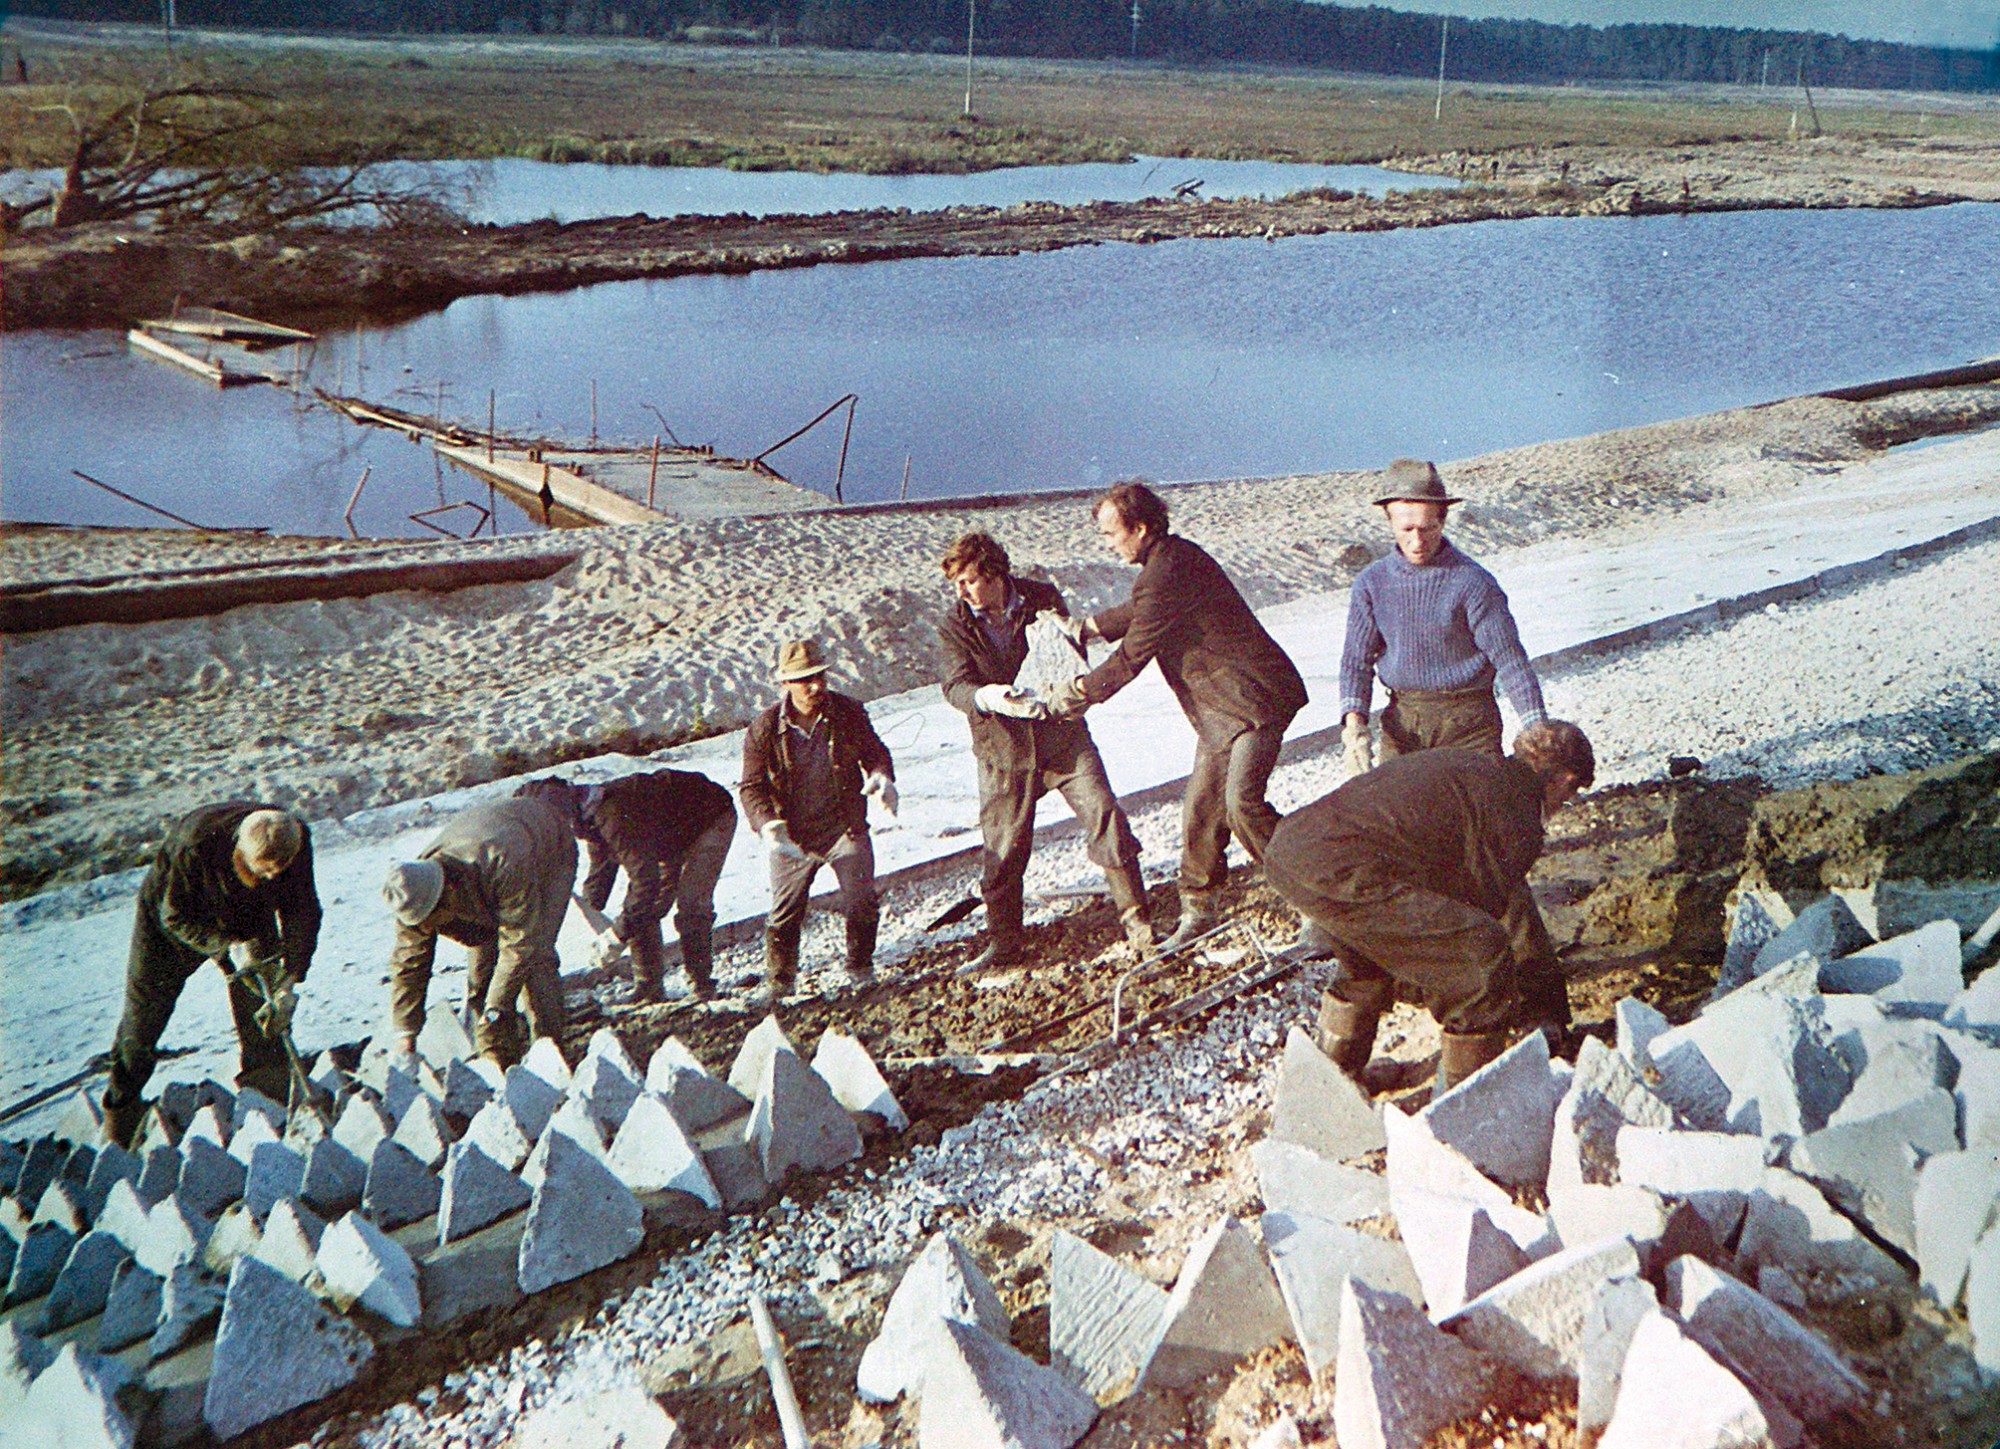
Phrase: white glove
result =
(1360, 743)
(1006, 699)
(607, 952)
(778, 840)
(884, 789)
(243, 957)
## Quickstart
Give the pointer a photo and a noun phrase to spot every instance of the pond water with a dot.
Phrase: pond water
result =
(1184, 360)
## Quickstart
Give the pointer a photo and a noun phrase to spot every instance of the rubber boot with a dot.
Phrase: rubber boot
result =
(1198, 917)
(862, 926)
(1311, 944)
(781, 960)
(1003, 938)
(698, 955)
(1138, 932)
(1463, 1054)
(121, 1122)
(649, 964)
(1346, 1032)
(1128, 898)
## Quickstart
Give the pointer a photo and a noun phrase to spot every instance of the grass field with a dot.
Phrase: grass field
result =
(641, 101)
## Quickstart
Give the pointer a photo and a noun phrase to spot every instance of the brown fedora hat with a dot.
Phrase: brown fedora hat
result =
(1412, 480)
(799, 659)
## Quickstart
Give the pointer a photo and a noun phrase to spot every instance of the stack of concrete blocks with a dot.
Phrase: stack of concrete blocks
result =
(441, 1186)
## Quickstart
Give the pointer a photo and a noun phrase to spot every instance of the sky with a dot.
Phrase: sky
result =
(1970, 24)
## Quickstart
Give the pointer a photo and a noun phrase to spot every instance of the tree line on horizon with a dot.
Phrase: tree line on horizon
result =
(1282, 32)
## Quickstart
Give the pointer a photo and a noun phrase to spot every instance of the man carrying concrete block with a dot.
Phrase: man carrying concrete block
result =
(231, 883)
(810, 762)
(497, 880)
(1237, 687)
(1021, 750)
(1418, 871)
(670, 832)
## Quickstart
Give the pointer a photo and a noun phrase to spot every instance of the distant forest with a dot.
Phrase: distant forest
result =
(1287, 32)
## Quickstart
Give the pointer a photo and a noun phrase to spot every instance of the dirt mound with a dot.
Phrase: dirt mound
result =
(1934, 826)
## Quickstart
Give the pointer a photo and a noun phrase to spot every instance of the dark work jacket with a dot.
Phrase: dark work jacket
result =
(1458, 822)
(1228, 673)
(194, 893)
(767, 767)
(1001, 742)
(645, 822)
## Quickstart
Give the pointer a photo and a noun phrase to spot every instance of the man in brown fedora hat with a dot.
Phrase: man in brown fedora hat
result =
(810, 762)
(1435, 628)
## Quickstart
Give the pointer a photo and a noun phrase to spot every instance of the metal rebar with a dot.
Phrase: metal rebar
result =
(349, 515)
(184, 522)
(653, 478)
(790, 1420)
(840, 473)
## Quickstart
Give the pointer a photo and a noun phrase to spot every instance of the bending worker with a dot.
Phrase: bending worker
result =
(1436, 628)
(497, 880)
(1237, 687)
(1022, 752)
(233, 884)
(670, 831)
(1418, 872)
(809, 763)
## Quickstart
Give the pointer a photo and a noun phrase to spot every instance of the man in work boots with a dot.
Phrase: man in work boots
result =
(1237, 687)
(497, 880)
(1022, 752)
(670, 831)
(1418, 872)
(810, 762)
(233, 884)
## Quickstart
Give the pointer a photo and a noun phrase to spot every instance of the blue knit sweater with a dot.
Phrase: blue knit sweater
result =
(1435, 627)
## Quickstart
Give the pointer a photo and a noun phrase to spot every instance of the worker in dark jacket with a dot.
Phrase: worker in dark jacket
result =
(233, 884)
(670, 831)
(1418, 872)
(1237, 687)
(810, 762)
(1021, 751)
(497, 880)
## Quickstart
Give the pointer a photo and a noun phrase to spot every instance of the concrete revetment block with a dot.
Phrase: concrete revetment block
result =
(532, 1098)
(470, 1085)
(605, 1089)
(1297, 1180)
(277, 1348)
(980, 1390)
(942, 1283)
(335, 1179)
(1398, 1379)
(113, 1164)
(255, 1132)
(496, 1132)
(132, 1311)
(571, 1120)
(545, 1059)
(582, 1217)
(857, 1084)
(1683, 1163)
(1978, 1093)
(1982, 1301)
(291, 1240)
(37, 1262)
(1919, 970)
(1456, 1250)
(1828, 928)
(477, 1191)
(473, 1273)
(620, 1418)
(40, 1165)
(359, 1263)
(1102, 1318)
(124, 1216)
(1957, 1197)
(1592, 1212)
(697, 1100)
(1614, 1316)
(1977, 1007)
(1637, 1026)
(1312, 1258)
(796, 1123)
(236, 1235)
(670, 1057)
(73, 1404)
(210, 1121)
(1764, 1344)
(424, 1132)
(1418, 1162)
(83, 1286)
(159, 1175)
(400, 1189)
(746, 1074)
(1895, 1063)
(276, 1172)
(175, 1233)
(81, 1123)
(1320, 1107)
(1225, 1306)
(1606, 1093)
(22, 1357)
(407, 1081)
(652, 1153)
(605, 1045)
(249, 1101)
(1788, 1222)
(1758, 917)
(444, 1040)
(1672, 1394)
(1868, 1168)
(1501, 1117)
(189, 1302)
(62, 1204)
(360, 1127)
(1534, 1320)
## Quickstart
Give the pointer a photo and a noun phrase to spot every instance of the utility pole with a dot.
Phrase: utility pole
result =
(1135, 29)
(1444, 35)
(970, 7)
(1811, 109)
(1764, 81)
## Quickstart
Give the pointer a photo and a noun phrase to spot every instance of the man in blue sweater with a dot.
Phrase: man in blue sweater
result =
(1436, 628)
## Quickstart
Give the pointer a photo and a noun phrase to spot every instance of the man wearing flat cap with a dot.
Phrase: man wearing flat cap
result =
(233, 884)
(1435, 628)
(496, 880)
(810, 762)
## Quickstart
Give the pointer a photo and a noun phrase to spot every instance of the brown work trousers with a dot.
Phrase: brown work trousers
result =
(1468, 719)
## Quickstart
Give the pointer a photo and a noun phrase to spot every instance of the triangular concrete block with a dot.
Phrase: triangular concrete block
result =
(81, 1122)
(1606, 1092)
(545, 1059)
(477, 1191)
(697, 1100)
(276, 1172)
(249, 1101)
(1765, 1345)
(1418, 1162)
(856, 1081)
(605, 1089)
(277, 1348)
(23, 1355)
(210, 1121)
(1398, 1380)
(942, 1282)
(359, 1263)
(1225, 1306)
(1636, 1025)
(532, 1097)
(669, 1057)
(1621, 1305)
(424, 1132)
(1977, 1008)
(1868, 1167)
(84, 1284)
(1982, 1301)
(335, 1179)
(470, 1085)
(746, 1074)
(1788, 1222)
(62, 1204)
(652, 1153)
(582, 1218)
(37, 1262)
(236, 1235)
(443, 1040)
(124, 1216)
(291, 1239)
(1298, 1181)
(132, 1311)
(400, 1189)
(605, 1045)
(1313, 1258)
(1667, 1380)
(361, 1126)
(254, 1132)
(1457, 1251)
(1919, 970)
(498, 1133)
(189, 1302)
(160, 1174)
(1957, 1198)
(1502, 1116)
(1103, 1318)
(1534, 1320)
(1320, 1107)
(113, 1164)
(571, 1120)
(796, 1124)
(980, 1390)
(1591, 1212)
(176, 1233)
(1827, 929)
(73, 1404)
(39, 1166)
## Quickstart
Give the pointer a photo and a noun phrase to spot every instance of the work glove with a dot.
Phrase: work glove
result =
(1066, 700)
(882, 788)
(778, 840)
(607, 952)
(245, 957)
(1360, 744)
(1006, 699)
(274, 1017)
